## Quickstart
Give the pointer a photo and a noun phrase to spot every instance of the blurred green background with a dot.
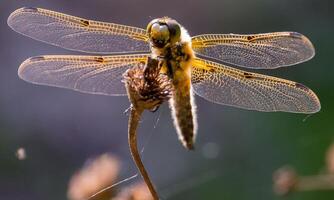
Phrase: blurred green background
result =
(60, 129)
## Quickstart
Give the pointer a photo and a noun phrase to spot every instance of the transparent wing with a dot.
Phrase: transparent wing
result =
(89, 74)
(76, 33)
(258, 51)
(225, 85)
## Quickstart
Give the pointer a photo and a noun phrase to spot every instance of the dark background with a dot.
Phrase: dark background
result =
(60, 129)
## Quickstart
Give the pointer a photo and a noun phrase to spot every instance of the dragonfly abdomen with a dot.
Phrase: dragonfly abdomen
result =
(184, 114)
(182, 102)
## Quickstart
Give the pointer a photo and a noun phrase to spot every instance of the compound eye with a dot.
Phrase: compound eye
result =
(160, 30)
(175, 30)
(159, 34)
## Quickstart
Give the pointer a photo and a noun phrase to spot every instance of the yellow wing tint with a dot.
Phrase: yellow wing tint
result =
(89, 74)
(76, 33)
(225, 85)
(258, 51)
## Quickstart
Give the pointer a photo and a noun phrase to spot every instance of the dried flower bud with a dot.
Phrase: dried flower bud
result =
(93, 177)
(285, 180)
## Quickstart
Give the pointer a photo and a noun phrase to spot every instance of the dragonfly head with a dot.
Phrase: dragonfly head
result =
(163, 31)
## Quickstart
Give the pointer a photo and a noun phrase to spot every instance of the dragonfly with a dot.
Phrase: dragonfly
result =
(207, 65)
(166, 59)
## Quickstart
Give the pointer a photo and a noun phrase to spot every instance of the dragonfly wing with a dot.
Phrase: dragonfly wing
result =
(76, 33)
(89, 74)
(257, 51)
(229, 86)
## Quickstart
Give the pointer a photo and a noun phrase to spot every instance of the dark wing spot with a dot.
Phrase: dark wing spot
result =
(251, 76)
(37, 58)
(248, 75)
(99, 59)
(301, 86)
(212, 70)
(250, 37)
(84, 22)
(29, 9)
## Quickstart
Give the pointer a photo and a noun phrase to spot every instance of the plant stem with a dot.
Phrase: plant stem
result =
(134, 118)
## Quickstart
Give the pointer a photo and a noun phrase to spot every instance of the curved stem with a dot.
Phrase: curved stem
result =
(132, 137)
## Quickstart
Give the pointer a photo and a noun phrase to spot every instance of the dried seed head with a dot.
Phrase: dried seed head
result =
(93, 177)
(138, 191)
(285, 180)
(21, 153)
(147, 87)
